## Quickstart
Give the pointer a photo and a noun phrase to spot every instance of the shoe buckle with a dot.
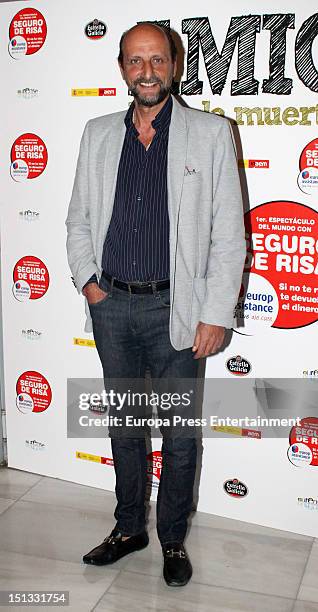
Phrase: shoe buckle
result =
(175, 553)
(112, 539)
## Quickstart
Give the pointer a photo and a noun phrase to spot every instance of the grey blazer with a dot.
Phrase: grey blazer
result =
(207, 244)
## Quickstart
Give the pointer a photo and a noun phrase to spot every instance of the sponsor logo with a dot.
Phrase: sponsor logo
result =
(310, 373)
(303, 440)
(309, 503)
(33, 391)
(29, 215)
(84, 342)
(94, 458)
(31, 279)
(154, 466)
(254, 163)
(31, 334)
(35, 445)
(238, 431)
(239, 366)
(97, 91)
(308, 168)
(98, 407)
(235, 488)
(299, 455)
(251, 433)
(96, 29)
(28, 157)
(279, 280)
(27, 33)
(27, 93)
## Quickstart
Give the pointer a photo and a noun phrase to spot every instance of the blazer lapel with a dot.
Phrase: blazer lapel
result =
(113, 147)
(177, 152)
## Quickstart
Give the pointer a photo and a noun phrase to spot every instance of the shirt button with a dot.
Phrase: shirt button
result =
(134, 263)
(138, 198)
(135, 229)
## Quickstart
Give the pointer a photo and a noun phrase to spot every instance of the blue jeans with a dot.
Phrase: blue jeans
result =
(131, 332)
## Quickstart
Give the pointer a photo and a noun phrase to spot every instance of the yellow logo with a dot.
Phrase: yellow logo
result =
(94, 458)
(88, 457)
(84, 342)
(94, 91)
(236, 431)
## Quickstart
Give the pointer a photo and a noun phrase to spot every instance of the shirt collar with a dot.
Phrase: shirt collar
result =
(160, 122)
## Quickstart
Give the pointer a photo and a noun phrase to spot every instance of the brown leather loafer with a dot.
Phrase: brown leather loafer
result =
(114, 548)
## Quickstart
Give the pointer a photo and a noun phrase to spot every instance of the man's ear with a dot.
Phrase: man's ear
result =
(174, 68)
(121, 69)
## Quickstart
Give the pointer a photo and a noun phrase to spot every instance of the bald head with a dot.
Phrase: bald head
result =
(146, 63)
(147, 31)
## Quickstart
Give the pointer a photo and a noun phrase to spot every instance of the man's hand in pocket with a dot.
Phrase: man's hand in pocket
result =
(93, 293)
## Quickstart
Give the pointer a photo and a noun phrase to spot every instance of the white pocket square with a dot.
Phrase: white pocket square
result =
(190, 171)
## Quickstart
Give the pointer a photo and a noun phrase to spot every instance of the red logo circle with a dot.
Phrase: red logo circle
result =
(36, 387)
(29, 24)
(33, 273)
(30, 150)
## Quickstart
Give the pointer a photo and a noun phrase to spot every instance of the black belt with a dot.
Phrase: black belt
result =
(145, 287)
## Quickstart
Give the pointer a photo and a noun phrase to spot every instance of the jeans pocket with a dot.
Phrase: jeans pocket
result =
(164, 297)
(104, 299)
(104, 285)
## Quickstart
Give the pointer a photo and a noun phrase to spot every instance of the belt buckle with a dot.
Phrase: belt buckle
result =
(140, 284)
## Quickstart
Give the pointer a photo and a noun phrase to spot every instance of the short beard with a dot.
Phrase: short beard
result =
(149, 101)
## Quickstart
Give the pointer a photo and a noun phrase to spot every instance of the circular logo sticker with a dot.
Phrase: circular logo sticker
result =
(25, 403)
(308, 180)
(235, 488)
(31, 278)
(238, 365)
(27, 33)
(280, 279)
(308, 168)
(96, 29)
(28, 157)
(17, 47)
(309, 155)
(21, 290)
(306, 434)
(299, 455)
(19, 170)
(33, 388)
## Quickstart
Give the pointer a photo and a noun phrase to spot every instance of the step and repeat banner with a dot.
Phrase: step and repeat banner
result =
(257, 66)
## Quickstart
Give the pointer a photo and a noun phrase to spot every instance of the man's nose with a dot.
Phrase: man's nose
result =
(148, 69)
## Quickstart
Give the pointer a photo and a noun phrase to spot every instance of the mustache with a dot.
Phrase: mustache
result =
(148, 81)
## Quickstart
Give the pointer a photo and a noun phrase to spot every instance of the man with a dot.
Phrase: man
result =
(156, 245)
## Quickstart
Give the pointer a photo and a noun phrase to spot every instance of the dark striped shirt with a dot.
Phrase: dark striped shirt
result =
(136, 247)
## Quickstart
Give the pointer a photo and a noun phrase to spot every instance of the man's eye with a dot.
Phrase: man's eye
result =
(157, 60)
(134, 61)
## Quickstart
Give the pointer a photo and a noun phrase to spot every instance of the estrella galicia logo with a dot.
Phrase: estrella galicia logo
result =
(239, 366)
(96, 29)
(97, 407)
(235, 488)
